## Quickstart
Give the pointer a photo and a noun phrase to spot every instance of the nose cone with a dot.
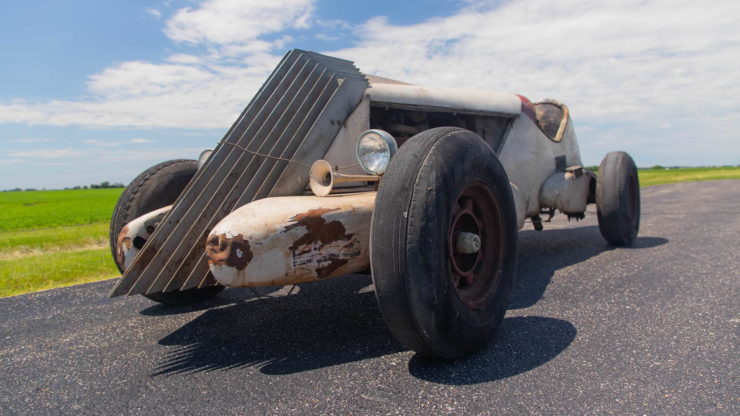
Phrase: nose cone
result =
(123, 243)
(227, 251)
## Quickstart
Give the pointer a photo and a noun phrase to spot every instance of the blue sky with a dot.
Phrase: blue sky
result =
(97, 91)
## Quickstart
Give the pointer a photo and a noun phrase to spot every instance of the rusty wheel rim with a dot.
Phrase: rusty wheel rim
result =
(476, 275)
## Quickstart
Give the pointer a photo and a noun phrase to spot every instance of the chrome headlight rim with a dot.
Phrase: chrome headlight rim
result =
(391, 147)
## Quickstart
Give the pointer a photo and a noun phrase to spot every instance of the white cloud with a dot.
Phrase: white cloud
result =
(46, 153)
(326, 38)
(65, 167)
(629, 59)
(198, 103)
(154, 12)
(138, 78)
(224, 22)
(333, 24)
(109, 143)
(28, 140)
(145, 158)
(103, 155)
(183, 58)
(188, 91)
(104, 143)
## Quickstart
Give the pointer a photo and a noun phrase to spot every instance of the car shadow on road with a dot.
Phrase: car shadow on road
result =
(526, 342)
(542, 253)
(521, 344)
(337, 321)
(230, 297)
(326, 323)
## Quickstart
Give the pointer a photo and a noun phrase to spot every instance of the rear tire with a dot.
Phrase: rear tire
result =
(155, 188)
(618, 199)
(435, 299)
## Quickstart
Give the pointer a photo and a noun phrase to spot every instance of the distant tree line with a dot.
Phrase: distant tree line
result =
(101, 185)
(660, 167)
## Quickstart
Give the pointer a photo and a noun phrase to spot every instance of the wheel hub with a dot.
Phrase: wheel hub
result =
(464, 255)
(467, 243)
(475, 243)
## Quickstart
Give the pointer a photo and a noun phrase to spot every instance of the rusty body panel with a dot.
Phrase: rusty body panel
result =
(288, 240)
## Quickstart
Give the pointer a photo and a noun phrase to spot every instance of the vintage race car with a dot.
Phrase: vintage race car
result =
(329, 172)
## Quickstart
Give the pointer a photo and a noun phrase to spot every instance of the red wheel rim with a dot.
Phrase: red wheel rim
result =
(476, 275)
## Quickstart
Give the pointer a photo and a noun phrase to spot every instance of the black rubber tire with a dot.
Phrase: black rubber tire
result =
(155, 188)
(618, 199)
(410, 259)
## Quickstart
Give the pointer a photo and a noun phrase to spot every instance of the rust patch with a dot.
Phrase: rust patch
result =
(123, 243)
(318, 228)
(325, 246)
(332, 265)
(224, 251)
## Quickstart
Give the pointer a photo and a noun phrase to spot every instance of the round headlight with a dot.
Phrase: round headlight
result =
(375, 150)
(204, 155)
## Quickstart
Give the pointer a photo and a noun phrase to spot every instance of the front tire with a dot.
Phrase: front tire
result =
(436, 296)
(155, 188)
(618, 199)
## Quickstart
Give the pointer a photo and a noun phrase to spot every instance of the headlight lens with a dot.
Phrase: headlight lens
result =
(204, 155)
(375, 150)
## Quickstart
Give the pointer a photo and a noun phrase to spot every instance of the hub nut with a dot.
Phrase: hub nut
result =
(467, 243)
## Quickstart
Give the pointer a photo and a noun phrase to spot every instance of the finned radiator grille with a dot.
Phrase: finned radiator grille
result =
(293, 117)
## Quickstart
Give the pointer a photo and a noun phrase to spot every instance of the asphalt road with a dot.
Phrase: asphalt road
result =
(651, 329)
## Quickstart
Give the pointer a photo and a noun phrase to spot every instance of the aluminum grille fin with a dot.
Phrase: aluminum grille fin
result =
(294, 116)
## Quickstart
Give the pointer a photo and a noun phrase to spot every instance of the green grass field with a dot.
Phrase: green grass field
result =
(46, 209)
(51, 239)
(650, 177)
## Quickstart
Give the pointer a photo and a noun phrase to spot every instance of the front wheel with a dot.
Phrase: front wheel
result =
(444, 243)
(618, 199)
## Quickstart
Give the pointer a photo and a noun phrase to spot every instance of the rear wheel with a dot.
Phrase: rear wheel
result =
(444, 243)
(618, 199)
(155, 188)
